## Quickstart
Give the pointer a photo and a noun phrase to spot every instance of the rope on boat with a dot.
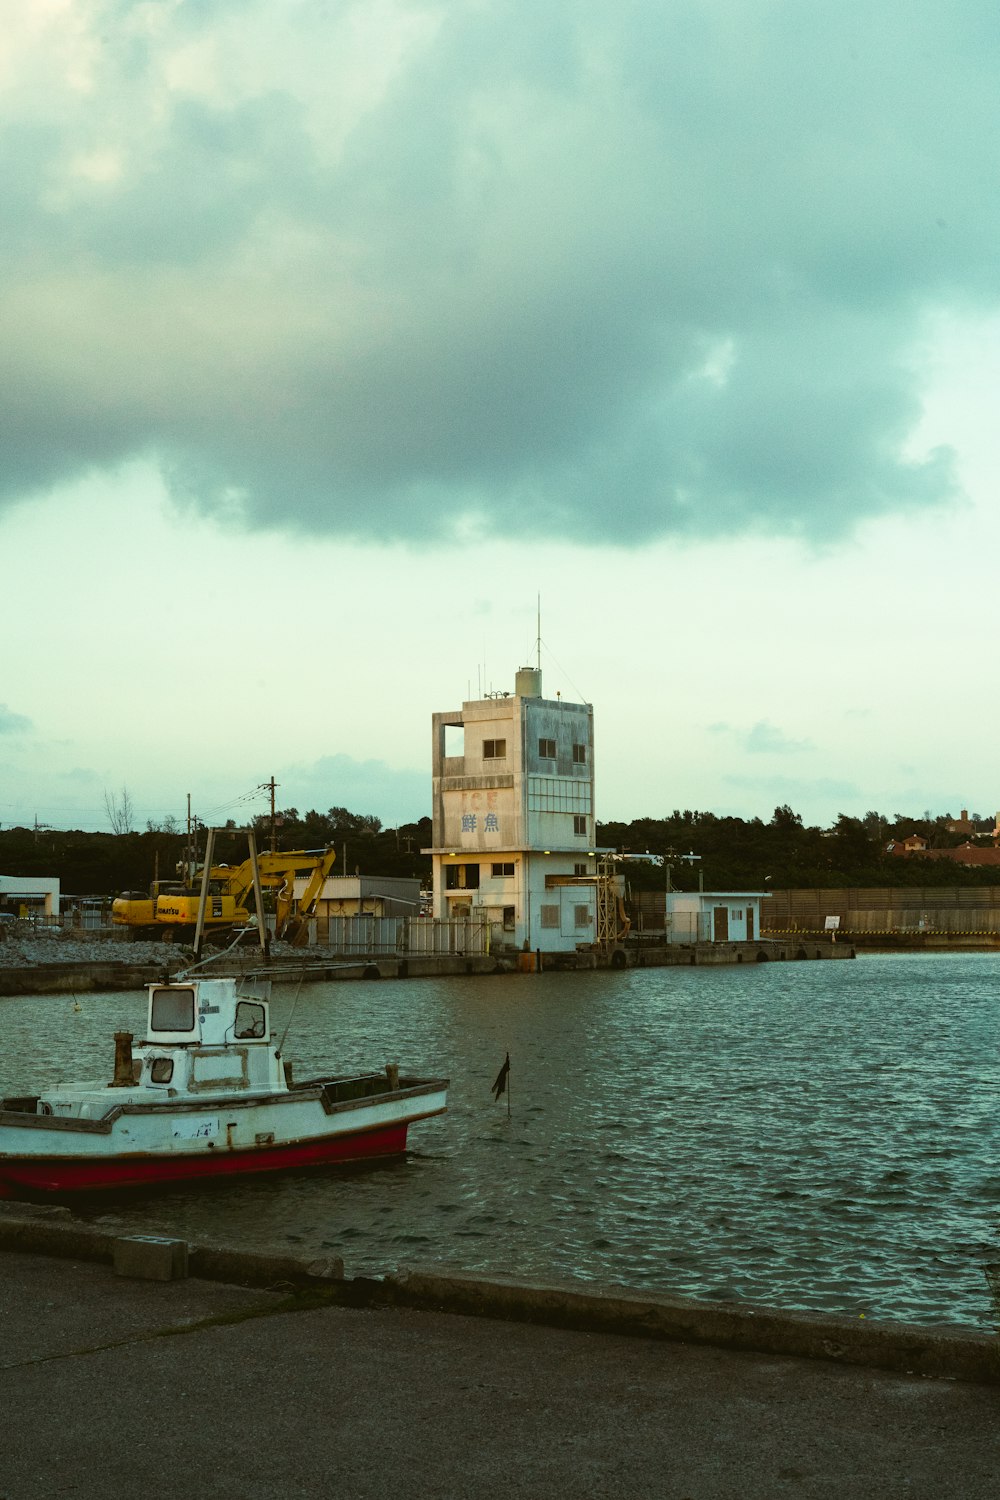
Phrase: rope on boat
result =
(291, 1013)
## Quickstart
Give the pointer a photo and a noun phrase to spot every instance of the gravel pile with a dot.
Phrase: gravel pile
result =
(22, 949)
(53, 946)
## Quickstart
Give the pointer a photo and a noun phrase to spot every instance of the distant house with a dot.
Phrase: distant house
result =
(914, 843)
(968, 854)
(964, 854)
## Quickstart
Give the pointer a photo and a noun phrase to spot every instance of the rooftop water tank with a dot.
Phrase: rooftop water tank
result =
(528, 682)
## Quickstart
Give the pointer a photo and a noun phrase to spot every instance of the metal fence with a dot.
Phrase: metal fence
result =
(688, 926)
(472, 935)
(362, 935)
(87, 919)
(882, 909)
(367, 934)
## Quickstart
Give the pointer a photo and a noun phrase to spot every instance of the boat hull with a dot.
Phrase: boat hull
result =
(67, 1175)
(146, 1145)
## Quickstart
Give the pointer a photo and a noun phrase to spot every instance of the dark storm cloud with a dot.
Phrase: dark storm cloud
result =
(607, 273)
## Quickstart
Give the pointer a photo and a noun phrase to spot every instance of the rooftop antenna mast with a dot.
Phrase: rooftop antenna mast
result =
(538, 637)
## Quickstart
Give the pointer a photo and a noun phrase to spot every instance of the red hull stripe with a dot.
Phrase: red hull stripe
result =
(79, 1175)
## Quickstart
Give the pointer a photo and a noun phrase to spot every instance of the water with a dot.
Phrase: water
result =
(818, 1136)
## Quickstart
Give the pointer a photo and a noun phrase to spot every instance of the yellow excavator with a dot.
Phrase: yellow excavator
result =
(170, 910)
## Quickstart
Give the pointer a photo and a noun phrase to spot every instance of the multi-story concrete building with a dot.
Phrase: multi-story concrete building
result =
(514, 816)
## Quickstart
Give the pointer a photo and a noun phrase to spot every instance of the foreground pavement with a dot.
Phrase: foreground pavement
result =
(200, 1389)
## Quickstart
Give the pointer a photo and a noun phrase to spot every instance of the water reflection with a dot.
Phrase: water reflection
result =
(822, 1136)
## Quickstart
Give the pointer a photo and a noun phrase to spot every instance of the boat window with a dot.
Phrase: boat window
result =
(249, 1020)
(172, 1009)
(162, 1069)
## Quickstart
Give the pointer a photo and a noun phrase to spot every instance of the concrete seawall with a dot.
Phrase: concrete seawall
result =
(77, 976)
(952, 1353)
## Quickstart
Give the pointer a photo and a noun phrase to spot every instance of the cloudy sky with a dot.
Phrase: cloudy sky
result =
(336, 333)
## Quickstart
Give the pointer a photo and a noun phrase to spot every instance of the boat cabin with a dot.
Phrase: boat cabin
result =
(203, 1035)
(205, 1012)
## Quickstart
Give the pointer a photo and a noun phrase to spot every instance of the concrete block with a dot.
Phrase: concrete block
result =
(151, 1257)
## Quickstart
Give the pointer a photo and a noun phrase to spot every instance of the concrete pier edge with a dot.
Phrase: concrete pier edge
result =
(950, 1353)
(116, 974)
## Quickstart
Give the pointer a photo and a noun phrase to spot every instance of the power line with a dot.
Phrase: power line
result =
(72, 810)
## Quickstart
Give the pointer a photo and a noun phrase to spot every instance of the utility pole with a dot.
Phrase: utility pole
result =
(272, 787)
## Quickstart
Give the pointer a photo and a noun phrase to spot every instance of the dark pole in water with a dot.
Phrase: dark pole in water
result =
(502, 1083)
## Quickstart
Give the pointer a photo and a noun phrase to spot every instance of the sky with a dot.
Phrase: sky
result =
(336, 336)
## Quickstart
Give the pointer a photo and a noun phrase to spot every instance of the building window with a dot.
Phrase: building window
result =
(503, 870)
(509, 914)
(559, 794)
(580, 755)
(494, 749)
(546, 749)
(580, 825)
(461, 877)
(581, 916)
(579, 869)
(550, 916)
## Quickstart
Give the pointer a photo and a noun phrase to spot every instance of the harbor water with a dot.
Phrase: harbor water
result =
(821, 1137)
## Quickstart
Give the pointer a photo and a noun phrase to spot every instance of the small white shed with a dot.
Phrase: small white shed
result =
(26, 895)
(714, 916)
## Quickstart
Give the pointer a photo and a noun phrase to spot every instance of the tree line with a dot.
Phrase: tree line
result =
(732, 853)
(783, 853)
(103, 864)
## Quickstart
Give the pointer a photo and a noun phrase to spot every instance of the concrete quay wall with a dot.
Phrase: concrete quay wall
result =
(76, 977)
(951, 1353)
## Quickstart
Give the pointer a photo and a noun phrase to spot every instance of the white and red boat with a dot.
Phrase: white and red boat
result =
(207, 1094)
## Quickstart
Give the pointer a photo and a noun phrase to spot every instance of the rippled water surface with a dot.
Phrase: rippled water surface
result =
(820, 1136)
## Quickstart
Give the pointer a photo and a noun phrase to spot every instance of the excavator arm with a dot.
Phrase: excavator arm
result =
(289, 924)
